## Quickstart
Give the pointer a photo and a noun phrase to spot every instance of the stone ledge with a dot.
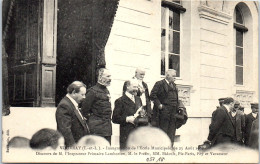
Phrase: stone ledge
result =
(214, 15)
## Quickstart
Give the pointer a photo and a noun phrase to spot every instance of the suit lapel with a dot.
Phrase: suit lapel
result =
(144, 85)
(165, 86)
(138, 103)
(252, 117)
(237, 116)
(78, 115)
(129, 102)
(228, 115)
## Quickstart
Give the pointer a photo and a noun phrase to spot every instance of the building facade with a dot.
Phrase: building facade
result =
(213, 45)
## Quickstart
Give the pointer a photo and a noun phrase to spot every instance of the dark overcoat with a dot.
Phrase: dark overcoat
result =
(125, 107)
(249, 120)
(223, 129)
(97, 109)
(147, 97)
(159, 96)
(240, 126)
(69, 122)
(254, 135)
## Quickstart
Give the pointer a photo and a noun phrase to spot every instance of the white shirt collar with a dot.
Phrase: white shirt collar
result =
(75, 104)
(167, 81)
(129, 95)
(139, 81)
(233, 114)
(254, 114)
(73, 101)
(226, 107)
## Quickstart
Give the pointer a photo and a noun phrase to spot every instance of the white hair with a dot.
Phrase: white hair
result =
(170, 71)
(138, 69)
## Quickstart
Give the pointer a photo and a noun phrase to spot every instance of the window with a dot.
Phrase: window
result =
(239, 45)
(170, 27)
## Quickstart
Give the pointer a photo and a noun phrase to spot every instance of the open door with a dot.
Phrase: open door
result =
(51, 43)
(31, 49)
(23, 50)
(83, 30)
(74, 51)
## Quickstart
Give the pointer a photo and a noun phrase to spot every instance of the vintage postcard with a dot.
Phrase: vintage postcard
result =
(139, 81)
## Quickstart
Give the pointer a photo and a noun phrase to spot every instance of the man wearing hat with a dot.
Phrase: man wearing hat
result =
(236, 105)
(241, 108)
(221, 101)
(238, 119)
(227, 124)
(254, 135)
(207, 144)
(249, 120)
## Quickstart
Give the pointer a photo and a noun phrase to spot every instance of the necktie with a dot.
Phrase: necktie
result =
(171, 85)
(78, 109)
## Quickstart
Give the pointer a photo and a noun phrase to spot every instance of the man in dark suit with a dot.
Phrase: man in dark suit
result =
(254, 135)
(227, 125)
(70, 122)
(126, 111)
(96, 107)
(142, 91)
(239, 120)
(165, 98)
(221, 101)
(249, 120)
(206, 144)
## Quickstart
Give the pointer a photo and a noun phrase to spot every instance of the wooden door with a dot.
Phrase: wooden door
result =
(24, 61)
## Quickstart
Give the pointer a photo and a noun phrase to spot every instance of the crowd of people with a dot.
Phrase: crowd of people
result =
(229, 124)
(131, 110)
(84, 116)
(51, 140)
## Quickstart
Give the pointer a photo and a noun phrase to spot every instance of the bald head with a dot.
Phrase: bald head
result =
(132, 86)
(77, 91)
(140, 73)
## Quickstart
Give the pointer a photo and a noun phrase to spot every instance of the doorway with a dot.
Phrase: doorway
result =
(74, 46)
